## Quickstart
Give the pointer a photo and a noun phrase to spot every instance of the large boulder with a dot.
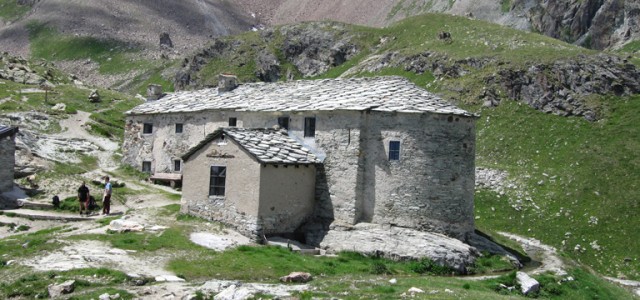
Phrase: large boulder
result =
(400, 244)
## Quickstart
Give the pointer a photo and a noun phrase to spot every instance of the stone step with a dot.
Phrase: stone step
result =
(23, 203)
(46, 215)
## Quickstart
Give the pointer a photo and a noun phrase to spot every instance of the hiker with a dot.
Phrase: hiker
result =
(83, 197)
(106, 199)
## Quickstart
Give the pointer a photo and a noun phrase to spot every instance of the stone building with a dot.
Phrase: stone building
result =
(260, 180)
(388, 151)
(7, 157)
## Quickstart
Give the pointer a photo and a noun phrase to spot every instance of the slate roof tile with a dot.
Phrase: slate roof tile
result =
(390, 94)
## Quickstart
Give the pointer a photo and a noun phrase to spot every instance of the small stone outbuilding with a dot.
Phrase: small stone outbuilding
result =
(259, 181)
(7, 157)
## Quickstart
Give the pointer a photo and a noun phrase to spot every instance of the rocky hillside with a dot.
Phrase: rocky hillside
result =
(596, 24)
(189, 23)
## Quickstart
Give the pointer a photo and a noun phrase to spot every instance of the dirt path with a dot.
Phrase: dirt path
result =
(545, 254)
(74, 128)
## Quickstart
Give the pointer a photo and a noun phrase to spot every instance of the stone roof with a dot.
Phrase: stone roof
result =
(267, 146)
(387, 94)
(7, 131)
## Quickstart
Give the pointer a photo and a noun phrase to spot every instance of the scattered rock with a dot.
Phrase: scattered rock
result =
(297, 277)
(59, 107)
(234, 293)
(165, 40)
(56, 290)
(168, 278)
(415, 290)
(527, 284)
(94, 96)
(121, 225)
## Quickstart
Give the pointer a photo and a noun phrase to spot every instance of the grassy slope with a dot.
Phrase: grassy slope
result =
(592, 168)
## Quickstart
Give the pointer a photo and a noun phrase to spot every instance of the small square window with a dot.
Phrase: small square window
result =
(178, 127)
(146, 166)
(177, 165)
(147, 128)
(217, 180)
(394, 150)
(233, 122)
(283, 122)
(309, 127)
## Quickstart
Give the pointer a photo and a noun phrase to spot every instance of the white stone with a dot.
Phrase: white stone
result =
(527, 284)
(121, 225)
(234, 293)
(168, 278)
(415, 290)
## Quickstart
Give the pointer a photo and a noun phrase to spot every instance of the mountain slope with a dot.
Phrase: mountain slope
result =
(189, 23)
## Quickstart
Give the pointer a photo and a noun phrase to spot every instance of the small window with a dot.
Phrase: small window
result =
(148, 128)
(217, 181)
(394, 150)
(178, 127)
(283, 122)
(309, 127)
(177, 165)
(233, 122)
(146, 166)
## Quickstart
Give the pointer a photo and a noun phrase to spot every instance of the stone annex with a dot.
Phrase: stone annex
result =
(7, 158)
(296, 157)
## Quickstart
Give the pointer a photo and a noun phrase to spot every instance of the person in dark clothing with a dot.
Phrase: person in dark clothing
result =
(83, 197)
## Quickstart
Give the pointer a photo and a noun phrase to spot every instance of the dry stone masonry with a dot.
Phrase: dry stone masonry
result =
(384, 150)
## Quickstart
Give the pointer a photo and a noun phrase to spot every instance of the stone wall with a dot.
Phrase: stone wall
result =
(240, 205)
(259, 199)
(429, 188)
(7, 161)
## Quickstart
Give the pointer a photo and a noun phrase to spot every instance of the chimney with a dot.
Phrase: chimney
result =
(154, 92)
(227, 82)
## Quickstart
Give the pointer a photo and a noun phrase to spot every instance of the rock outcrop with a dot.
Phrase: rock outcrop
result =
(597, 24)
(401, 244)
(312, 48)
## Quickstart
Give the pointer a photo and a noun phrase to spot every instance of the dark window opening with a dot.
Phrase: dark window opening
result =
(394, 150)
(233, 122)
(146, 166)
(309, 127)
(148, 128)
(177, 165)
(178, 127)
(217, 181)
(283, 122)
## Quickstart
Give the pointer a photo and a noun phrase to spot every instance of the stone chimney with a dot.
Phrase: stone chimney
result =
(227, 82)
(154, 92)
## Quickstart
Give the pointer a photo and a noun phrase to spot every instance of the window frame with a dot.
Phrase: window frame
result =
(146, 163)
(217, 181)
(233, 122)
(177, 165)
(394, 154)
(147, 128)
(180, 126)
(309, 127)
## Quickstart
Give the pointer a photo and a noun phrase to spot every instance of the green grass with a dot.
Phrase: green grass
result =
(10, 10)
(578, 182)
(114, 57)
(631, 47)
(29, 244)
(89, 283)
(87, 163)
